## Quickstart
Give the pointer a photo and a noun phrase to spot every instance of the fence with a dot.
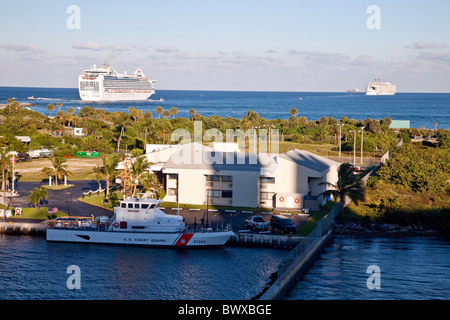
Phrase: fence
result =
(300, 251)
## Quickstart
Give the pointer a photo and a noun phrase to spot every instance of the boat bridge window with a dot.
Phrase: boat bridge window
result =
(152, 206)
(123, 205)
(130, 206)
(144, 205)
(136, 205)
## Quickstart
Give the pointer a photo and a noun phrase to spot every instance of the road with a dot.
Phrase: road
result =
(67, 202)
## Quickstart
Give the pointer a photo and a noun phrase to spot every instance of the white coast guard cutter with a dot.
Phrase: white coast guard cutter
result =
(137, 221)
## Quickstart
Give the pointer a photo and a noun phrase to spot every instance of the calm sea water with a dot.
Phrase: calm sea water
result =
(32, 268)
(422, 109)
(410, 269)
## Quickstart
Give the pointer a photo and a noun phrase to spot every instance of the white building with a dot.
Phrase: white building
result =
(195, 174)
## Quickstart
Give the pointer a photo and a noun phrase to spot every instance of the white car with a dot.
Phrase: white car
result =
(256, 223)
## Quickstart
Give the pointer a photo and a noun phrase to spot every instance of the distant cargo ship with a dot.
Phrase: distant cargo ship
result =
(379, 88)
(105, 84)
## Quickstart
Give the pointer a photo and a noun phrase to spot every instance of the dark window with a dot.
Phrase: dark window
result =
(267, 180)
(130, 206)
(144, 205)
(213, 178)
(136, 205)
(123, 205)
(227, 178)
(227, 194)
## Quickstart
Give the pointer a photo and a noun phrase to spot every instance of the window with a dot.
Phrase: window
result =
(172, 176)
(227, 194)
(267, 180)
(213, 178)
(266, 195)
(152, 206)
(173, 192)
(136, 205)
(123, 205)
(130, 206)
(144, 205)
(227, 178)
(214, 193)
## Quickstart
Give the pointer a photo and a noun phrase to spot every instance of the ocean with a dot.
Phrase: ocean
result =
(407, 268)
(421, 109)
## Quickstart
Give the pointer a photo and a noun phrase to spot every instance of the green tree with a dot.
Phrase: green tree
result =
(97, 174)
(58, 169)
(37, 195)
(348, 185)
(166, 114)
(293, 112)
(174, 111)
(109, 170)
(159, 111)
(50, 107)
(5, 163)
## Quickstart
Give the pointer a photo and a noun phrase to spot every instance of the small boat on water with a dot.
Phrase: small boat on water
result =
(136, 221)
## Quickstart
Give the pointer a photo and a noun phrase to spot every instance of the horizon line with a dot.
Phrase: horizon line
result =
(216, 90)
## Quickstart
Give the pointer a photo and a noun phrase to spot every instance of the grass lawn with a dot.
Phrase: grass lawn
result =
(42, 213)
(309, 225)
(79, 167)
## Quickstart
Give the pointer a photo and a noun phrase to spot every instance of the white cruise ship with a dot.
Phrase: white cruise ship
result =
(105, 84)
(379, 88)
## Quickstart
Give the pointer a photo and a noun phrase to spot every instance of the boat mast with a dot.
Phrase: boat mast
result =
(129, 186)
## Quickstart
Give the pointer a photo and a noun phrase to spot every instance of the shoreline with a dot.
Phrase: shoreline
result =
(354, 229)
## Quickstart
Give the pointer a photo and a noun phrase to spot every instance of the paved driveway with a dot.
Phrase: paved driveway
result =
(61, 200)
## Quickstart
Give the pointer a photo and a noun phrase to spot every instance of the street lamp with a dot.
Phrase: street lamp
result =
(362, 137)
(340, 139)
(354, 146)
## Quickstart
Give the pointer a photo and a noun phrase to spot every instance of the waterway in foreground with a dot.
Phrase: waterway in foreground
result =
(399, 269)
(31, 268)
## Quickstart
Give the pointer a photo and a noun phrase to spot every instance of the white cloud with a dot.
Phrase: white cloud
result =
(97, 47)
(20, 47)
(425, 45)
(169, 49)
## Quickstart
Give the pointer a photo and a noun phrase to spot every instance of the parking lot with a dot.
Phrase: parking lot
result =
(235, 217)
(61, 199)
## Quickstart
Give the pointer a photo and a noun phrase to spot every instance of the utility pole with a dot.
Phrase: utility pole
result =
(362, 137)
(340, 139)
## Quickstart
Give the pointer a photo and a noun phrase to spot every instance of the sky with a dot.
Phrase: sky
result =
(246, 45)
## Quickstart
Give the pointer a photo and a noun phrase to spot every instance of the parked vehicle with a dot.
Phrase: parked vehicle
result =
(284, 225)
(23, 157)
(256, 223)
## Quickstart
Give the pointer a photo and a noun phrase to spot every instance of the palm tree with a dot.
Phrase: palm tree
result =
(159, 111)
(97, 174)
(59, 105)
(50, 107)
(59, 169)
(174, 111)
(138, 168)
(109, 170)
(36, 195)
(5, 163)
(293, 112)
(191, 112)
(166, 114)
(348, 186)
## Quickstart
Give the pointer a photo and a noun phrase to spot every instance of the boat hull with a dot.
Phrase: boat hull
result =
(197, 239)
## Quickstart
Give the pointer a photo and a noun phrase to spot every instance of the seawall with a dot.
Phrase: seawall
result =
(23, 228)
(283, 283)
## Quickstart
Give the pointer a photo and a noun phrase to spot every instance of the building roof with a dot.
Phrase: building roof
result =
(197, 156)
(309, 160)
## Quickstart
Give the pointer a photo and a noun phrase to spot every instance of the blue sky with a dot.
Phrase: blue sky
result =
(282, 45)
